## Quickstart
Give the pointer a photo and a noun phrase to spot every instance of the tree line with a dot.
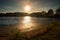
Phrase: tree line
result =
(50, 13)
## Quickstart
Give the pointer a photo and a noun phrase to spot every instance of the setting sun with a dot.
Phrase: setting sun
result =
(27, 8)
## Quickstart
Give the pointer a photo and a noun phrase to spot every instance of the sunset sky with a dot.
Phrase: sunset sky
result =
(36, 5)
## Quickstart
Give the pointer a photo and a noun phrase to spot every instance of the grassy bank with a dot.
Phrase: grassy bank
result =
(49, 32)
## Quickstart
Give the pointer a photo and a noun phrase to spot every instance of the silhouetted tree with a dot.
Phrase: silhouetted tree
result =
(50, 12)
(58, 11)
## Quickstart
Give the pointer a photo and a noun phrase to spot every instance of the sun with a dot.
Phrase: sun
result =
(27, 8)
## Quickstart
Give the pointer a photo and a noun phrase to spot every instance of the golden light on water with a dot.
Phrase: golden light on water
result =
(27, 19)
(26, 22)
(27, 25)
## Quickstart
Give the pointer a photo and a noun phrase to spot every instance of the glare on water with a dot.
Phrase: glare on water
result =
(27, 19)
(26, 24)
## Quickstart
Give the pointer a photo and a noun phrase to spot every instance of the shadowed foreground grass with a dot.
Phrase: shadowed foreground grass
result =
(50, 33)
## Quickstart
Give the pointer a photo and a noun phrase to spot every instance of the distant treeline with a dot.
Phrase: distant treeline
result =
(50, 13)
(15, 14)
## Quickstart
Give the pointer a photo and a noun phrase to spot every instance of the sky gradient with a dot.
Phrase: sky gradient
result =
(37, 5)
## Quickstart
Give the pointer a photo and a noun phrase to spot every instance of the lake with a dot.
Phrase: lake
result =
(25, 24)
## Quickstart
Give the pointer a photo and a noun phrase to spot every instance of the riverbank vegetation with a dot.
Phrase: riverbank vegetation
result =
(50, 13)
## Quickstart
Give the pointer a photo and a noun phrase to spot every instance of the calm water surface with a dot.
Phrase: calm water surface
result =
(24, 24)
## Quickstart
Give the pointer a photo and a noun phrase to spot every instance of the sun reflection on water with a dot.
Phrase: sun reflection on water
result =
(26, 24)
(27, 19)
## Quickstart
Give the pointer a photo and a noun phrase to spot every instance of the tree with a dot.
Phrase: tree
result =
(58, 11)
(50, 12)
